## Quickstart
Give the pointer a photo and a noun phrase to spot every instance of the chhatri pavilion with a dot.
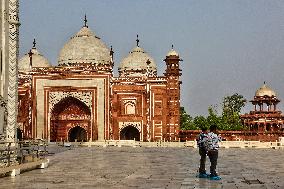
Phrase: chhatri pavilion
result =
(265, 116)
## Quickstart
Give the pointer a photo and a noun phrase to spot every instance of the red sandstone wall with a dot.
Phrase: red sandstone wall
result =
(186, 135)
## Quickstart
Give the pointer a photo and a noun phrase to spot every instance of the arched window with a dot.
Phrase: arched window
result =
(130, 108)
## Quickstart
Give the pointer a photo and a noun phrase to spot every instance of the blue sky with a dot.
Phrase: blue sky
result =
(227, 46)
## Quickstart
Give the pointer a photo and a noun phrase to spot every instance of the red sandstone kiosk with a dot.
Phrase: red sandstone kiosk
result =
(265, 118)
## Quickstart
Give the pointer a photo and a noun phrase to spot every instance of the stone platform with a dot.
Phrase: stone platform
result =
(142, 167)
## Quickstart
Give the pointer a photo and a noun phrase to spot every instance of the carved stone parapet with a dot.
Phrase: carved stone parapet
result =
(5, 162)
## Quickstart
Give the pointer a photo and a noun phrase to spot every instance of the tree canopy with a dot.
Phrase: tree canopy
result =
(229, 119)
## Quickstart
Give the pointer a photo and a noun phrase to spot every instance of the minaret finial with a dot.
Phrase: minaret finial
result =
(34, 44)
(137, 41)
(111, 55)
(264, 82)
(85, 21)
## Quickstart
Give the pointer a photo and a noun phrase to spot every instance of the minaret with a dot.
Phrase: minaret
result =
(9, 69)
(173, 74)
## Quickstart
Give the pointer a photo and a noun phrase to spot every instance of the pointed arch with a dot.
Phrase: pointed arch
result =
(67, 114)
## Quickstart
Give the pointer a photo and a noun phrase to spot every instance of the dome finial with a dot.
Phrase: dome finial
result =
(34, 44)
(137, 41)
(111, 52)
(31, 57)
(264, 82)
(111, 55)
(85, 21)
(172, 47)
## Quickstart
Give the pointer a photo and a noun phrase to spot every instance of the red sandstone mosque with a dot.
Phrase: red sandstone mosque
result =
(265, 116)
(81, 99)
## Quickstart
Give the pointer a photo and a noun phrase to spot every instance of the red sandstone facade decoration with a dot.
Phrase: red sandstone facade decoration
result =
(150, 102)
(269, 136)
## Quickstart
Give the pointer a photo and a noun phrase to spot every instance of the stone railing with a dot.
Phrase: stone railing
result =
(8, 154)
(23, 155)
(251, 144)
(31, 150)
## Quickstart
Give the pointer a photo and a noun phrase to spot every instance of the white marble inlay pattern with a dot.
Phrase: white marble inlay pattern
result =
(122, 125)
(83, 96)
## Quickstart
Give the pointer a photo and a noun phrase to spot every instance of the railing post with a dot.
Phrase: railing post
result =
(21, 152)
(33, 157)
(9, 156)
(37, 152)
(45, 151)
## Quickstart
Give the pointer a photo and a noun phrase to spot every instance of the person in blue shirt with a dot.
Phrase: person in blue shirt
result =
(211, 143)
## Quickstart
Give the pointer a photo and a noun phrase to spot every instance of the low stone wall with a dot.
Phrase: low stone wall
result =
(22, 156)
(193, 144)
(15, 170)
(187, 135)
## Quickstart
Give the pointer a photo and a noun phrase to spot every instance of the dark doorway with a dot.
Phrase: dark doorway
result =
(129, 133)
(19, 134)
(77, 133)
(268, 127)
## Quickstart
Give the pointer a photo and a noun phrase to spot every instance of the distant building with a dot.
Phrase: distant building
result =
(265, 116)
(81, 99)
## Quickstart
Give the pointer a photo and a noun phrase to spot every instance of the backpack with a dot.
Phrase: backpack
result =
(208, 143)
(200, 140)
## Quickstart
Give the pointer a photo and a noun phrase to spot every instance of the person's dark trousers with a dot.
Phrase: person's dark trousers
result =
(202, 153)
(213, 156)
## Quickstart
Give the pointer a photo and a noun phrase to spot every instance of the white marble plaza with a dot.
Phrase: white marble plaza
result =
(142, 167)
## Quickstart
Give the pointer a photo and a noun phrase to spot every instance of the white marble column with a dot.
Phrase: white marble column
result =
(9, 74)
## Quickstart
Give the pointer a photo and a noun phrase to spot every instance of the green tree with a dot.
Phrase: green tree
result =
(186, 121)
(231, 107)
(228, 120)
(200, 122)
(213, 117)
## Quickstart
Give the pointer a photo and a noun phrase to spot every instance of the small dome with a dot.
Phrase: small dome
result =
(137, 63)
(172, 52)
(84, 47)
(38, 60)
(264, 90)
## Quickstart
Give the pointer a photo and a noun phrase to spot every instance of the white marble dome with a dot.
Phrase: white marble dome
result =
(84, 47)
(38, 60)
(264, 90)
(137, 63)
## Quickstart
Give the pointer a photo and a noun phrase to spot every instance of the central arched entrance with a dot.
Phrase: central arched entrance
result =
(77, 133)
(130, 133)
(70, 120)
